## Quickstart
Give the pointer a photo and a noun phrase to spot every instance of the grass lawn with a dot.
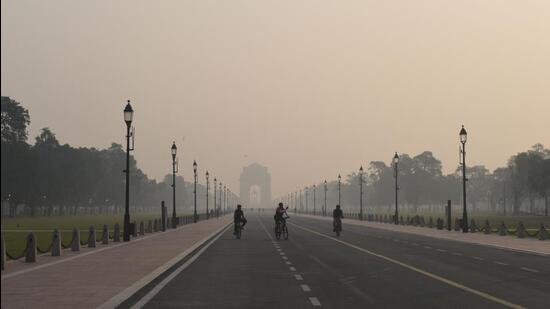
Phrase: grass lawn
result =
(15, 230)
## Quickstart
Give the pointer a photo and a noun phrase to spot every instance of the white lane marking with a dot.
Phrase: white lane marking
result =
(279, 249)
(427, 247)
(305, 288)
(478, 258)
(529, 269)
(282, 253)
(284, 257)
(288, 263)
(314, 301)
(113, 302)
(457, 254)
(501, 263)
(415, 244)
(418, 270)
(292, 268)
(441, 250)
(299, 277)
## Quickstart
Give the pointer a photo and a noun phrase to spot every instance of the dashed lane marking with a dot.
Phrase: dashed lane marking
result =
(288, 263)
(314, 301)
(457, 254)
(501, 263)
(418, 270)
(292, 268)
(299, 277)
(529, 269)
(305, 287)
(441, 250)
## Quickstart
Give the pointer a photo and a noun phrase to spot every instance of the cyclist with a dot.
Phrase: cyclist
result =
(337, 216)
(238, 216)
(280, 214)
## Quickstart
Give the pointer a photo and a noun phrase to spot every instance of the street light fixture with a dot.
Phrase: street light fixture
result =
(207, 187)
(463, 137)
(314, 200)
(216, 198)
(174, 151)
(361, 193)
(195, 191)
(325, 204)
(395, 174)
(128, 117)
(339, 190)
(306, 194)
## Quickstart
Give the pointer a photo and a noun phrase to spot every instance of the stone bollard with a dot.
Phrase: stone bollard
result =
(543, 234)
(520, 230)
(457, 224)
(56, 243)
(149, 226)
(155, 226)
(141, 228)
(91, 237)
(30, 251)
(105, 236)
(116, 233)
(473, 226)
(3, 252)
(502, 230)
(75, 242)
(439, 223)
(135, 230)
(487, 227)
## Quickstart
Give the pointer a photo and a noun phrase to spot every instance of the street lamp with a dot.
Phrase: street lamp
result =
(339, 190)
(463, 137)
(195, 191)
(361, 193)
(395, 174)
(306, 194)
(224, 198)
(174, 151)
(215, 197)
(207, 187)
(220, 204)
(325, 205)
(314, 200)
(128, 117)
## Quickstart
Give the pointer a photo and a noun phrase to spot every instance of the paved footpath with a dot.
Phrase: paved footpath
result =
(505, 242)
(105, 275)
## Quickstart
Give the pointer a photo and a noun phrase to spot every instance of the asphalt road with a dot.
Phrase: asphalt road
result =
(364, 268)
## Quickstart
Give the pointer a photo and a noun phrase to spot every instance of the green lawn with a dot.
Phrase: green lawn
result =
(15, 230)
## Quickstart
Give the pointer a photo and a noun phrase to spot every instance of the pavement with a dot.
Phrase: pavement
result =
(365, 267)
(105, 275)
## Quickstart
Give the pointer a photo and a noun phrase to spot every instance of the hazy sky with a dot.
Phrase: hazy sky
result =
(307, 88)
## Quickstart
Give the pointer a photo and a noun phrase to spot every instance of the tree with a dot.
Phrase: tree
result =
(14, 120)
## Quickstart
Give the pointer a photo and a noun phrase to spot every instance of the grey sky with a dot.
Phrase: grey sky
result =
(307, 88)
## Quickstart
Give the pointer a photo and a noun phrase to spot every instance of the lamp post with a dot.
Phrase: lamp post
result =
(195, 191)
(220, 204)
(215, 197)
(339, 190)
(174, 151)
(361, 193)
(225, 199)
(325, 205)
(306, 194)
(314, 200)
(463, 137)
(207, 187)
(128, 116)
(395, 174)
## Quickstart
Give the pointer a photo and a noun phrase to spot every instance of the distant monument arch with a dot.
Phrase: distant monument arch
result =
(255, 190)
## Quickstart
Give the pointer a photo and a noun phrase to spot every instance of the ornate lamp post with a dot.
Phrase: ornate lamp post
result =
(174, 151)
(325, 205)
(361, 193)
(195, 217)
(306, 193)
(395, 174)
(207, 197)
(215, 198)
(220, 204)
(225, 199)
(128, 117)
(339, 190)
(463, 137)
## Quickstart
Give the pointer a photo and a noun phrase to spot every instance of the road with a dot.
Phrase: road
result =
(364, 268)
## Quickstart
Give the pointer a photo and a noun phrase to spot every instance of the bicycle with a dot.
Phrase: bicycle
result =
(238, 229)
(281, 229)
(338, 226)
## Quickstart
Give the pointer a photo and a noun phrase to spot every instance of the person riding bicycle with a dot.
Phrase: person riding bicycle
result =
(337, 216)
(238, 216)
(280, 214)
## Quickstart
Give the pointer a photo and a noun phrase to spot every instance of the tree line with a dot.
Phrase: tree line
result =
(51, 178)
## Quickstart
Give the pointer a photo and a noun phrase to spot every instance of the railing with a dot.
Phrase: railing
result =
(56, 245)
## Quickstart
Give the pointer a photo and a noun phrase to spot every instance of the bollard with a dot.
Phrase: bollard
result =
(141, 228)
(473, 226)
(56, 243)
(487, 227)
(542, 232)
(439, 223)
(91, 237)
(502, 230)
(30, 252)
(134, 234)
(163, 216)
(105, 236)
(520, 230)
(116, 233)
(3, 252)
(149, 226)
(457, 224)
(155, 226)
(75, 242)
